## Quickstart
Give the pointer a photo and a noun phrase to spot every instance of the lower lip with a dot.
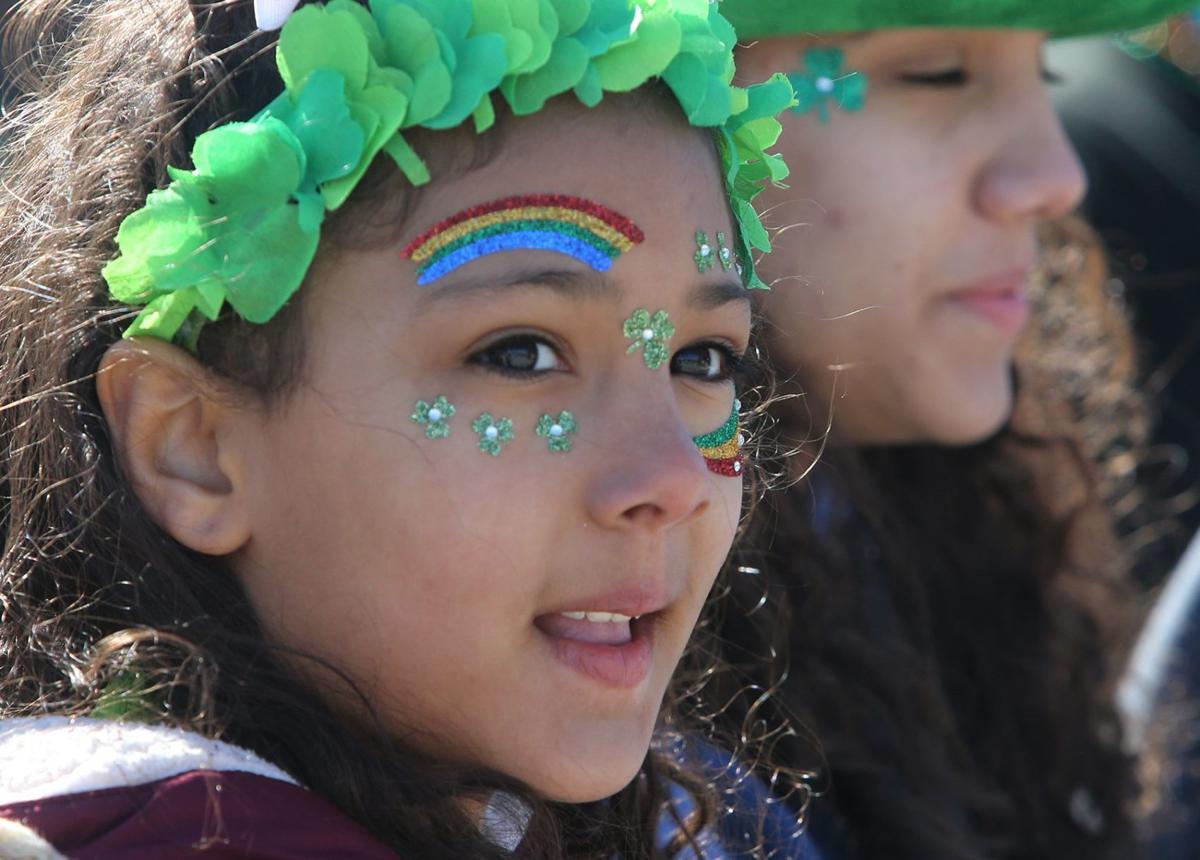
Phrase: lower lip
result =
(619, 666)
(1008, 312)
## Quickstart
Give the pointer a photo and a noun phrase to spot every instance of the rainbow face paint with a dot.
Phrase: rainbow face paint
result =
(589, 232)
(722, 448)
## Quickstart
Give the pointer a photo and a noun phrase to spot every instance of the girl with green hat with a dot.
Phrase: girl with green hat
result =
(949, 571)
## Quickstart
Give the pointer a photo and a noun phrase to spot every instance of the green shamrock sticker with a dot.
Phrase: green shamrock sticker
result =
(649, 334)
(557, 431)
(435, 416)
(825, 80)
(493, 433)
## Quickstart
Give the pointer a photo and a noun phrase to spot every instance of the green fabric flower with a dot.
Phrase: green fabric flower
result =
(702, 70)
(557, 431)
(649, 334)
(343, 37)
(493, 434)
(230, 230)
(435, 416)
(744, 141)
(824, 81)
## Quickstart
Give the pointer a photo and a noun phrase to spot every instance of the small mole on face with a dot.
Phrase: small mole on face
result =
(835, 218)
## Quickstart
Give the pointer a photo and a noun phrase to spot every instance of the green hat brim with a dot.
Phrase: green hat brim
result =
(758, 19)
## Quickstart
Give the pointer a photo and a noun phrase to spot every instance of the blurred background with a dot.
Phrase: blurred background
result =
(1132, 107)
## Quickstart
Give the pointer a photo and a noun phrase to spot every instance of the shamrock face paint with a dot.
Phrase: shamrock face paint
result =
(435, 416)
(649, 334)
(824, 80)
(587, 231)
(494, 433)
(557, 431)
(704, 252)
(722, 448)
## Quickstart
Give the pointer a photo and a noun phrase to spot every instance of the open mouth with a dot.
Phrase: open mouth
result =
(611, 648)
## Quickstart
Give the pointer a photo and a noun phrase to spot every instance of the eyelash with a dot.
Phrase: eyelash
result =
(731, 360)
(959, 77)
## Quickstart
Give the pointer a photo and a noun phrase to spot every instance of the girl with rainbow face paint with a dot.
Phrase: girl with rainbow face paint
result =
(370, 521)
(952, 541)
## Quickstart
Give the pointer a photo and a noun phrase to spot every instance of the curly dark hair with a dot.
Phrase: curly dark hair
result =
(92, 592)
(954, 635)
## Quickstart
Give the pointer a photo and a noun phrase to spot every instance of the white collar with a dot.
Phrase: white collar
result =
(51, 756)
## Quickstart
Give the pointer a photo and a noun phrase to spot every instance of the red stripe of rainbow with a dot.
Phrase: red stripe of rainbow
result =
(722, 448)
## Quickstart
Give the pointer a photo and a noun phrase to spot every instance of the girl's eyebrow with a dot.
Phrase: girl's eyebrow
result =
(575, 285)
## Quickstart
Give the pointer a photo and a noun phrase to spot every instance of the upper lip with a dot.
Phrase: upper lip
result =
(1006, 283)
(634, 600)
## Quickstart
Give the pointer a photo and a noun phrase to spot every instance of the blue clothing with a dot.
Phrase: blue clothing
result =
(754, 824)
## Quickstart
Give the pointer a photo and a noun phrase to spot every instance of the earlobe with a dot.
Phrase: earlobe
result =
(167, 426)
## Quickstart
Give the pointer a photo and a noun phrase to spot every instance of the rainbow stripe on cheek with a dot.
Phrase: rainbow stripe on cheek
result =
(589, 232)
(722, 448)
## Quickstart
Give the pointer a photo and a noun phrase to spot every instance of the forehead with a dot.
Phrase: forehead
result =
(636, 157)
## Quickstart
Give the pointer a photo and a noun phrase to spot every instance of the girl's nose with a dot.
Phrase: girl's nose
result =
(1034, 173)
(654, 479)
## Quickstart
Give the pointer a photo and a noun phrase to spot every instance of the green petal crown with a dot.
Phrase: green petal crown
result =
(242, 226)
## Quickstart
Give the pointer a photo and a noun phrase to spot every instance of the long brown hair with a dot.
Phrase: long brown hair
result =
(954, 628)
(94, 598)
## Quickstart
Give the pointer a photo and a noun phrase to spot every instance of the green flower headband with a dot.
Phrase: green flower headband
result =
(243, 226)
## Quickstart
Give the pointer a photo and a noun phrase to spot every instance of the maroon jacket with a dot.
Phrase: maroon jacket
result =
(100, 789)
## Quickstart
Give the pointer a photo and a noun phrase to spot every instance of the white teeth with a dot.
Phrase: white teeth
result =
(598, 617)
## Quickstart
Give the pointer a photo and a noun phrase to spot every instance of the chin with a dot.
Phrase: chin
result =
(587, 782)
(974, 418)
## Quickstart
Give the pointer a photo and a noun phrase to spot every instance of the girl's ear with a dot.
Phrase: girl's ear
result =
(174, 437)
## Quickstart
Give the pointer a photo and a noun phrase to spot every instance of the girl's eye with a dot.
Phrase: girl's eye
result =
(709, 362)
(1051, 77)
(519, 355)
(943, 78)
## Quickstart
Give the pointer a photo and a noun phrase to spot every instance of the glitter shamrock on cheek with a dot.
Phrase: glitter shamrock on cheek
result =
(824, 80)
(435, 416)
(649, 334)
(494, 434)
(557, 431)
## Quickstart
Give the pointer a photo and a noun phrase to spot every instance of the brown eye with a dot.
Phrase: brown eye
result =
(943, 78)
(524, 354)
(708, 362)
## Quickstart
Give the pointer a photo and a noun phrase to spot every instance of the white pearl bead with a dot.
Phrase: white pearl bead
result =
(824, 85)
(737, 467)
(705, 250)
(556, 430)
(647, 334)
(741, 440)
(737, 406)
(435, 414)
(491, 432)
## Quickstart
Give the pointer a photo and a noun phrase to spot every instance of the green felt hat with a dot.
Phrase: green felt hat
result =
(756, 19)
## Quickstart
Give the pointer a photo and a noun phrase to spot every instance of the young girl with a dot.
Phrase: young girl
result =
(370, 440)
(949, 568)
